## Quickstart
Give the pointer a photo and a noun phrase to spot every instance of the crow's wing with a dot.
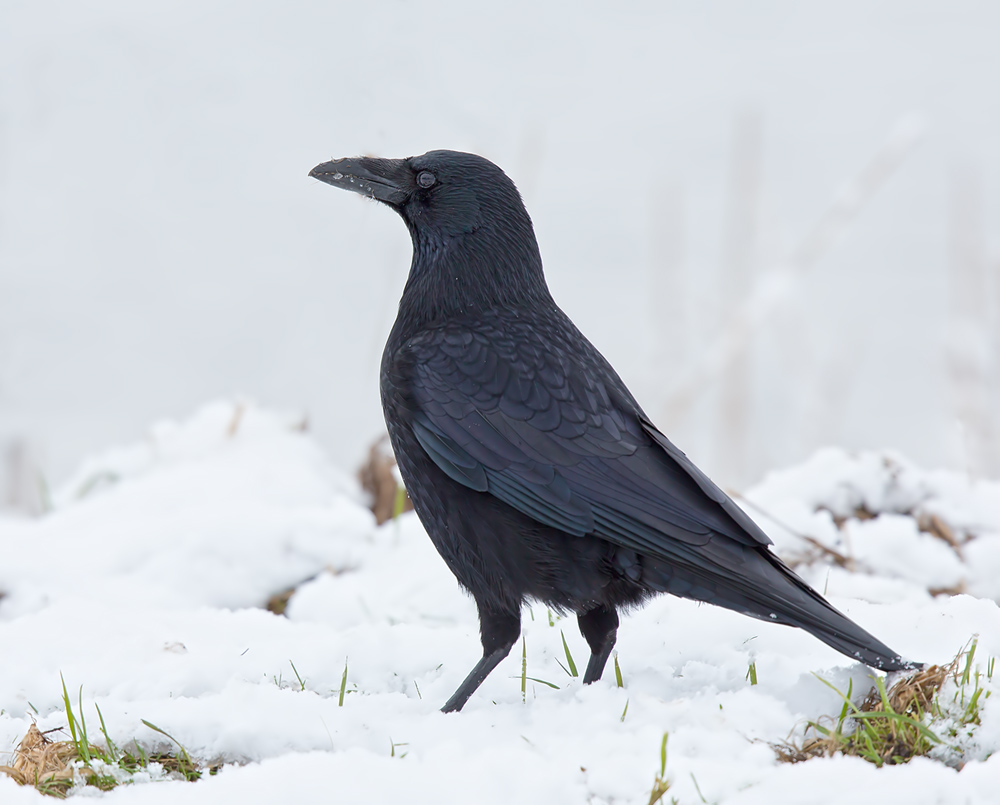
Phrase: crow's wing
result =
(518, 410)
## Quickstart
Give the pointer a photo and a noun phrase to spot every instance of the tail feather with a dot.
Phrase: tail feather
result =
(769, 590)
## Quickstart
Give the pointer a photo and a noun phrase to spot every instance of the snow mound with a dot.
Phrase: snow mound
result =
(222, 510)
(877, 515)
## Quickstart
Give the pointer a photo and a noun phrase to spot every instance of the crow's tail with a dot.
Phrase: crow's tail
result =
(767, 589)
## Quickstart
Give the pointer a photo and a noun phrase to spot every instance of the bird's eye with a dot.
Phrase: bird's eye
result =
(426, 178)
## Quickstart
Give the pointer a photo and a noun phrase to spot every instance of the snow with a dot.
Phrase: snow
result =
(896, 544)
(145, 587)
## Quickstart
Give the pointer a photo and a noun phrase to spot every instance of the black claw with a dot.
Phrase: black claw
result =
(600, 628)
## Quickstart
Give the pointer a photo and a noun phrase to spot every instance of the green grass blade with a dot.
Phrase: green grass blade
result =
(824, 731)
(969, 656)
(186, 766)
(77, 727)
(399, 502)
(543, 682)
(343, 685)
(69, 710)
(698, 789)
(113, 750)
(302, 683)
(84, 740)
(833, 687)
(166, 734)
(900, 719)
(844, 709)
(972, 709)
(524, 670)
(883, 694)
(569, 657)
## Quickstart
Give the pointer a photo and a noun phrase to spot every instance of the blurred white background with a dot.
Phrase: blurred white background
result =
(778, 220)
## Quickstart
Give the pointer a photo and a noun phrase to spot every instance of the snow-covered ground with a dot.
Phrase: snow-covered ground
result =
(145, 587)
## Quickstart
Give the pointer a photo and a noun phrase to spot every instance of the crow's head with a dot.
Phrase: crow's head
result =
(443, 193)
(473, 243)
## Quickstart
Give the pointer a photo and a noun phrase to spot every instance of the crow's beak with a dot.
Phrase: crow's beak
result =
(388, 180)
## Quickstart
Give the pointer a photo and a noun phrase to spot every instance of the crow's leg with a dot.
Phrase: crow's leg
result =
(600, 627)
(499, 632)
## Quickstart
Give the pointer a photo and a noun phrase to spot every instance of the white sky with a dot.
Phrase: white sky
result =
(160, 243)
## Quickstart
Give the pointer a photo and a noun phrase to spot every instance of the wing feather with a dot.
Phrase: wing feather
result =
(561, 440)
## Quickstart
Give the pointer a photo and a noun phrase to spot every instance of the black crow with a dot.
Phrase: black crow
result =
(532, 468)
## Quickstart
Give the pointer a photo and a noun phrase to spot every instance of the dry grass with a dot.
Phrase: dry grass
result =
(934, 525)
(913, 694)
(927, 522)
(278, 602)
(894, 725)
(45, 764)
(56, 767)
(886, 740)
(378, 479)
